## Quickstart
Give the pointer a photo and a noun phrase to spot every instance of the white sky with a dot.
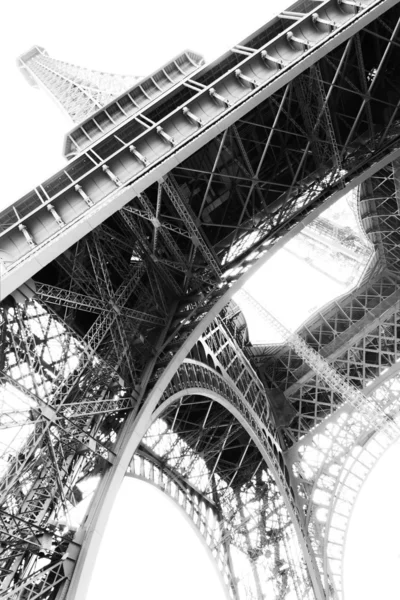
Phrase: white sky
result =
(136, 38)
(372, 559)
(163, 555)
(280, 286)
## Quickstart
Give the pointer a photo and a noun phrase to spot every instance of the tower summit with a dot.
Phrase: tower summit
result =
(79, 91)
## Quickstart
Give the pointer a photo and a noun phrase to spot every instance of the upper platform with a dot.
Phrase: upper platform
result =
(132, 102)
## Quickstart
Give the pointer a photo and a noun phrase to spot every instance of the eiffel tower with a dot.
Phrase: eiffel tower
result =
(122, 351)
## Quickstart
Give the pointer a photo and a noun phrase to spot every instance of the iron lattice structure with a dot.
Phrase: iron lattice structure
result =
(79, 91)
(122, 351)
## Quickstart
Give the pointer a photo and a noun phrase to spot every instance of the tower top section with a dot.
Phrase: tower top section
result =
(78, 90)
(23, 61)
(99, 102)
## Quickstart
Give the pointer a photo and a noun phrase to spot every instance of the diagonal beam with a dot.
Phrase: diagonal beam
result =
(376, 316)
(62, 297)
(184, 211)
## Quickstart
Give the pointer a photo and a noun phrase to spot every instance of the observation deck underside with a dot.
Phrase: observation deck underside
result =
(144, 236)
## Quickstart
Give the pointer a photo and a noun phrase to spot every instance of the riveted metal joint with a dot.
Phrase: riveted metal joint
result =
(191, 117)
(218, 98)
(245, 80)
(319, 23)
(271, 61)
(27, 235)
(138, 155)
(167, 138)
(83, 194)
(106, 169)
(55, 215)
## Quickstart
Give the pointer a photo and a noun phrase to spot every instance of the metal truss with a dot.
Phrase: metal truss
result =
(358, 337)
(379, 213)
(247, 531)
(334, 459)
(47, 445)
(331, 466)
(214, 173)
(213, 452)
(175, 189)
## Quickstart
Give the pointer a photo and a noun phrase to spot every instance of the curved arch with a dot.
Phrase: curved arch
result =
(200, 513)
(364, 458)
(136, 424)
(207, 382)
(193, 377)
(341, 454)
(135, 428)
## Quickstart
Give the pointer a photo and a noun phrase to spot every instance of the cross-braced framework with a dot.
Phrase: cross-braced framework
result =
(325, 460)
(121, 350)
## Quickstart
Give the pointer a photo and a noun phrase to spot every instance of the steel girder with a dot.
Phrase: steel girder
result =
(357, 335)
(245, 188)
(270, 133)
